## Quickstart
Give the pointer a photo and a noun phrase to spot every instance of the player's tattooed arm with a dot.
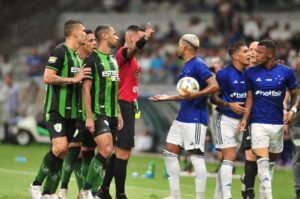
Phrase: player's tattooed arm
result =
(236, 107)
(212, 87)
(295, 101)
(51, 77)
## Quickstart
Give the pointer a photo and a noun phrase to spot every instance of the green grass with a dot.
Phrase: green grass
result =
(16, 177)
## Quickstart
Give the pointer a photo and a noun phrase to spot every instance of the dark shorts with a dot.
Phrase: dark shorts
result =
(125, 137)
(104, 124)
(87, 137)
(61, 127)
(246, 141)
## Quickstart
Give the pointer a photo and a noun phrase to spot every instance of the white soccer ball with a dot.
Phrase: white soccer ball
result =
(187, 83)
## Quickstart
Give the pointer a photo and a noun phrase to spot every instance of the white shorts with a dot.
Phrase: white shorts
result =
(227, 134)
(267, 136)
(187, 135)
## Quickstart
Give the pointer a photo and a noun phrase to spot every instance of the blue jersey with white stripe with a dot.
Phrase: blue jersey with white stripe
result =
(194, 111)
(232, 87)
(269, 88)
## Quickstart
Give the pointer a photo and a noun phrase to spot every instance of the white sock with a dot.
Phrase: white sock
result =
(271, 168)
(218, 189)
(173, 170)
(226, 178)
(264, 176)
(261, 193)
(200, 175)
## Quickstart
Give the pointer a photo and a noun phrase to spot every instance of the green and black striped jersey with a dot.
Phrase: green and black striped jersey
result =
(81, 108)
(62, 98)
(105, 85)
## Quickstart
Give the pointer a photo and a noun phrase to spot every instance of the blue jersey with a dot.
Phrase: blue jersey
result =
(194, 111)
(233, 88)
(268, 87)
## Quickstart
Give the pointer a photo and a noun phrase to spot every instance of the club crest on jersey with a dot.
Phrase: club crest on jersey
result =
(58, 127)
(52, 59)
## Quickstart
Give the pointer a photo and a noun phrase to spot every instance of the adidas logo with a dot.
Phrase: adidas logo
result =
(258, 80)
(235, 82)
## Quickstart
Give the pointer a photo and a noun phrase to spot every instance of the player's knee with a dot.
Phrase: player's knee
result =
(123, 154)
(60, 150)
(106, 151)
(172, 148)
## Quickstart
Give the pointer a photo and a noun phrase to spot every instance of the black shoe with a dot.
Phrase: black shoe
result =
(103, 194)
(122, 196)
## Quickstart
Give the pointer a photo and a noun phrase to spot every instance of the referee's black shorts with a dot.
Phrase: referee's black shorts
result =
(246, 140)
(125, 137)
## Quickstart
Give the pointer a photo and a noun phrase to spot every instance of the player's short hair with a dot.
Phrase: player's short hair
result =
(88, 31)
(70, 25)
(235, 47)
(135, 28)
(100, 29)
(269, 44)
(192, 40)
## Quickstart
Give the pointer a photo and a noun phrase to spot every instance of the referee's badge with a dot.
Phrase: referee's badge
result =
(58, 127)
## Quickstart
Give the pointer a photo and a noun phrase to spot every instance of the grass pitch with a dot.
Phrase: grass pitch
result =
(15, 177)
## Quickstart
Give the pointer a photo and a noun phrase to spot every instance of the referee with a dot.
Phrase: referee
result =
(129, 72)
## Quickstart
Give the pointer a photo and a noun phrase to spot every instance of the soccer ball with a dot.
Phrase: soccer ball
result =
(187, 83)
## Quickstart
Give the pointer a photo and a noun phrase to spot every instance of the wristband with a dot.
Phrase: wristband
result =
(141, 43)
(294, 109)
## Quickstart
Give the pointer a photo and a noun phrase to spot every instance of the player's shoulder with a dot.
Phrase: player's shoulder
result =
(119, 51)
(254, 69)
(59, 49)
(92, 57)
(198, 62)
(285, 67)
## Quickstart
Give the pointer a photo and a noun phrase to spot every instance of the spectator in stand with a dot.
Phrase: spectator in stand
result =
(6, 67)
(34, 63)
(9, 100)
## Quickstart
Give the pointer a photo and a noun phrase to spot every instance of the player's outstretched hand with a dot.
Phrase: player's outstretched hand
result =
(158, 98)
(90, 125)
(149, 31)
(237, 107)
(242, 127)
(83, 73)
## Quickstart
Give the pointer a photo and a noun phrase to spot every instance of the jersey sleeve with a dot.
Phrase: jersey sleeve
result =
(89, 62)
(248, 80)
(221, 79)
(56, 60)
(203, 71)
(291, 80)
